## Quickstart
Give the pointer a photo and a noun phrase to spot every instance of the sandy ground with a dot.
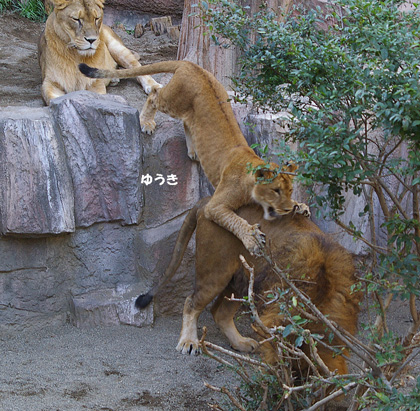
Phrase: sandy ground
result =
(109, 368)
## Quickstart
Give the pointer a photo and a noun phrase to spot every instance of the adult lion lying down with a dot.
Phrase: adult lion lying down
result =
(74, 34)
(295, 242)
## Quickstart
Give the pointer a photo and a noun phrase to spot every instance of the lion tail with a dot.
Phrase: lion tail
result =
(155, 68)
(184, 236)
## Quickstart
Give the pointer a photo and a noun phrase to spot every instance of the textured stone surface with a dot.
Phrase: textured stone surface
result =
(110, 307)
(36, 193)
(101, 139)
(122, 229)
(161, 7)
(165, 153)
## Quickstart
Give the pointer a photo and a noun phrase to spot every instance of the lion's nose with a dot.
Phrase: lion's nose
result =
(91, 40)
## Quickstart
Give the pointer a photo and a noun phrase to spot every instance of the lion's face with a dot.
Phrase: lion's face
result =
(78, 22)
(275, 196)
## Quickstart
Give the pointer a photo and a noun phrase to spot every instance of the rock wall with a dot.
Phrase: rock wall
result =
(88, 203)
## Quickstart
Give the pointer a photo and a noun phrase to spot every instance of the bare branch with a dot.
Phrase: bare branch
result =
(401, 367)
(332, 396)
(225, 391)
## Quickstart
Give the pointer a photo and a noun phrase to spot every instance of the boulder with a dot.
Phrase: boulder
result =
(36, 191)
(101, 139)
(119, 196)
(110, 307)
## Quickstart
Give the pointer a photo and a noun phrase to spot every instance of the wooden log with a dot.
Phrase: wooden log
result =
(160, 25)
(174, 33)
(138, 30)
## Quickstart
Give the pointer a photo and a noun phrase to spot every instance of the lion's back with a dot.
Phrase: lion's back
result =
(321, 267)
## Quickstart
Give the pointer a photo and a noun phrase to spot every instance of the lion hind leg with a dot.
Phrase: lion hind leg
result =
(188, 341)
(126, 59)
(223, 312)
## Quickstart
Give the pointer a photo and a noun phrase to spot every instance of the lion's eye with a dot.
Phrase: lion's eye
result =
(77, 20)
(277, 190)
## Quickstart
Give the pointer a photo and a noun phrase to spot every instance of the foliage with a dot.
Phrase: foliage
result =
(349, 76)
(30, 9)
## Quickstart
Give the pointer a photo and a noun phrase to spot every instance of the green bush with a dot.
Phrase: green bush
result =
(30, 9)
(349, 76)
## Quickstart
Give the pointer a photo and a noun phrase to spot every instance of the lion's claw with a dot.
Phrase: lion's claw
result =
(188, 347)
(255, 241)
(302, 208)
(148, 127)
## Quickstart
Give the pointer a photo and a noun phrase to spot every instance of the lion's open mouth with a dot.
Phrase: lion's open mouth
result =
(269, 213)
(272, 212)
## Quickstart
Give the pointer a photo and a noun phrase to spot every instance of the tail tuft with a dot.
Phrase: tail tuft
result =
(88, 71)
(143, 300)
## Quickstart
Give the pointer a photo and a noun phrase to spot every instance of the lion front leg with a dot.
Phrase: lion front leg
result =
(302, 208)
(190, 145)
(125, 58)
(50, 91)
(251, 236)
(148, 112)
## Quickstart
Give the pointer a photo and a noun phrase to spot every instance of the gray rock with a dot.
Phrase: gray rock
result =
(165, 154)
(36, 193)
(110, 307)
(122, 230)
(101, 139)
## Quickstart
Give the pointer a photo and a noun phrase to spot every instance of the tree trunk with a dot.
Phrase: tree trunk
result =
(197, 46)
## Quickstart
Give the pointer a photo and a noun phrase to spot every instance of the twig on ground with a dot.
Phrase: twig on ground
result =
(224, 390)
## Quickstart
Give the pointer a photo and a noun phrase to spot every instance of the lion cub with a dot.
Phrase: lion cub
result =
(215, 139)
(74, 34)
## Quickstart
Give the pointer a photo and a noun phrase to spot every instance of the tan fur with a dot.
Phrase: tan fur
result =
(297, 244)
(215, 139)
(74, 34)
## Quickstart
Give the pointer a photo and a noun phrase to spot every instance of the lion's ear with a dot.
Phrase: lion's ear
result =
(290, 166)
(264, 174)
(60, 4)
(100, 3)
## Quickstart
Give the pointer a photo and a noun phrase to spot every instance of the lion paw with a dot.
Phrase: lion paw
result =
(188, 347)
(148, 84)
(245, 345)
(148, 127)
(255, 241)
(193, 156)
(302, 208)
(114, 82)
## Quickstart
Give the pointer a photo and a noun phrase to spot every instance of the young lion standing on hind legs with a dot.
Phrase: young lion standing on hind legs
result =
(74, 34)
(215, 139)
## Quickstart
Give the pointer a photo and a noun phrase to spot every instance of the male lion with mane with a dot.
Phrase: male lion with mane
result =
(322, 269)
(74, 34)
